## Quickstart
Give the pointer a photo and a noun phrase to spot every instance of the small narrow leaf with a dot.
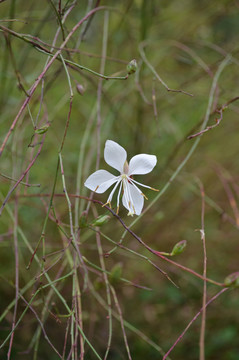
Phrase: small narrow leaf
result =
(42, 129)
(100, 220)
(179, 247)
(232, 280)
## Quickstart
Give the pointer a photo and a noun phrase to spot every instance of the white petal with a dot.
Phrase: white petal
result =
(115, 155)
(132, 199)
(118, 196)
(142, 164)
(126, 200)
(113, 191)
(100, 181)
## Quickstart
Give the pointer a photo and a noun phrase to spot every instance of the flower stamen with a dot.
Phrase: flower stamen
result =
(154, 189)
(144, 196)
(107, 203)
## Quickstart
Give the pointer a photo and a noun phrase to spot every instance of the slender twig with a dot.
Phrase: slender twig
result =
(16, 252)
(176, 149)
(23, 175)
(80, 166)
(194, 146)
(143, 56)
(106, 281)
(127, 325)
(192, 321)
(74, 319)
(121, 321)
(230, 195)
(99, 90)
(208, 127)
(21, 182)
(42, 237)
(38, 80)
(58, 15)
(70, 211)
(211, 203)
(12, 57)
(127, 229)
(52, 285)
(220, 112)
(99, 269)
(35, 43)
(41, 102)
(41, 324)
(76, 291)
(107, 285)
(138, 84)
(70, 106)
(66, 336)
(12, 20)
(45, 311)
(194, 56)
(203, 323)
(155, 106)
(81, 67)
(69, 62)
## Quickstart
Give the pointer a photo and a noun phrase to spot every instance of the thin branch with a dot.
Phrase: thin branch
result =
(38, 80)
(220, 112)
(99, 90)
(23, 175)
(230, 195)
(127, 229)
(21, 182)
(143, 56)
(41, 324)
(16, 252)
(203, 323)
(194, 56)
(192, 321)
(121, 321)
(221, 67)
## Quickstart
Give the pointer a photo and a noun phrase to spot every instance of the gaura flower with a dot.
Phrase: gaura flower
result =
(116, 156)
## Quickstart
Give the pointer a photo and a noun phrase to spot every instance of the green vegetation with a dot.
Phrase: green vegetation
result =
(78, 280)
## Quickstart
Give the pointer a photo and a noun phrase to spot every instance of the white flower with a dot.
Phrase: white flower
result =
(116, 156)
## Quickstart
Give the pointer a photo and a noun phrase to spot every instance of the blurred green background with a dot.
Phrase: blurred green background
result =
(185, 42)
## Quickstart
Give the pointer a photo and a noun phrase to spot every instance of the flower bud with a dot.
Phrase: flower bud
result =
(232, 280)
(179, 247)
(42, 129)
(100, 220)
(132, 67)
(80, 89)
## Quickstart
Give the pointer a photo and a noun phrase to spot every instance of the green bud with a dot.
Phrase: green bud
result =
(42, 129)
(132, 67)
(232, 280)
(100, 220)
(179, 247)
